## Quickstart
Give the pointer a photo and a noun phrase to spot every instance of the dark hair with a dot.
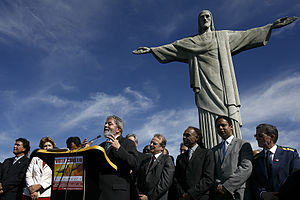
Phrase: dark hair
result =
(269, 130)
(76, 141)
(198, 132)
(26, 144)
(46, 139)
(224, 117)
(162, 138)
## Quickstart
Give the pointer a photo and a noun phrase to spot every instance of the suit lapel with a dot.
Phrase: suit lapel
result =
(218, 154)
(156, 162)
(229, 149)
(277, 160)
(17, 163)
(196, 152)
(10, 162)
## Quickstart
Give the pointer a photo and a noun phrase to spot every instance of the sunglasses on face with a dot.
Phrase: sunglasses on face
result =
(259, 135)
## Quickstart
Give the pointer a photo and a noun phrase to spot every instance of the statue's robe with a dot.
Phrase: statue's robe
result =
(212, 76)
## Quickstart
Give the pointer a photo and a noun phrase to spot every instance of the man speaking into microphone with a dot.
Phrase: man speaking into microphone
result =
(115, 185)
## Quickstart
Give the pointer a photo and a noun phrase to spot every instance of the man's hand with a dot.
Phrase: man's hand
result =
(220, 190)
(1, 189)
(113, 141)
(223, 192)
(185, 196)
(142, 50)
(86, 144)
(269, 196)
(34, 196)
(143, 197)
(34, 188)
(283, 22)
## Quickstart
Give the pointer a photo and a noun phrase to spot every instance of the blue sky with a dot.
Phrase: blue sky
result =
(66, 65)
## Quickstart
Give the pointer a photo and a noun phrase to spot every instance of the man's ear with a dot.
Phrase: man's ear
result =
(120, 130)
(273, 137)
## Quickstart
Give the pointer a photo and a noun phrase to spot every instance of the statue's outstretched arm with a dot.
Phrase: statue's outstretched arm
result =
(283, 22)
(142, 50)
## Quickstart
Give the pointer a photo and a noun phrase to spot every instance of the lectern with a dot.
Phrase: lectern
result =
(75, 174)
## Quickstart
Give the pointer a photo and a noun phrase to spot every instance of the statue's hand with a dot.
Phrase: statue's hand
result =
(142, 50)
(283, 22)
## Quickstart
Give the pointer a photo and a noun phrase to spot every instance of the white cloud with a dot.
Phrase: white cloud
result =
(67, 114)
(5, 138)
(277, 103)
(45, 99)
(170, 25)
(171, 124)
(237, 11)
(60, 28)
(43, 22)
(101, 105)
(276, 100)
(67, 87)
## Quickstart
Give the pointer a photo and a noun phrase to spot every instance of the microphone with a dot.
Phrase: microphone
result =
(99, 136)
(88, 143)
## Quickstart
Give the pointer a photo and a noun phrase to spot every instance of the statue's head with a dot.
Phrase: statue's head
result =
(205, 21)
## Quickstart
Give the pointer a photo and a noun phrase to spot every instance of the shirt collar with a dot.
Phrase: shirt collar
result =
(229, 139)
(156, 155)
(17, 158)
(194, 147)
(272, 150)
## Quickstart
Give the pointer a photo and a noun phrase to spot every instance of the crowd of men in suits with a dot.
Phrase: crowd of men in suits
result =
(227, 171)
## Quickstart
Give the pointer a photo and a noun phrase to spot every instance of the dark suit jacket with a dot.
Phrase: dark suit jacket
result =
(12, 177)
(285, 162)
(116, 185)
(195, 176)
(156, 181)
(290, 190)
(236, 168)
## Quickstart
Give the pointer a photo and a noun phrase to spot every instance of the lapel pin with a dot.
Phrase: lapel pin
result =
(276, 160)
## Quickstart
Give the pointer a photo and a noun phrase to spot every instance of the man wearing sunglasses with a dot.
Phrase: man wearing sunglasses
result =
(273, 165)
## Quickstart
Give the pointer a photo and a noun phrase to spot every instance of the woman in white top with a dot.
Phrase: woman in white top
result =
(39, 175)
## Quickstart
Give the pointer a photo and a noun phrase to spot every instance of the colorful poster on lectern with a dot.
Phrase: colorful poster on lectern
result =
(68, 173)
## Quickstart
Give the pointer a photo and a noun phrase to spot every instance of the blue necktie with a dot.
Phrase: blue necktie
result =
(269, 168)
(190, 153)
(224, 149)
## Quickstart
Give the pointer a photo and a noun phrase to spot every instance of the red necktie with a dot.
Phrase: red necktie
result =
(152, 161)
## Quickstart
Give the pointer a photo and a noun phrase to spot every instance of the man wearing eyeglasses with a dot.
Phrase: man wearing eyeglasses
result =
(273, 165)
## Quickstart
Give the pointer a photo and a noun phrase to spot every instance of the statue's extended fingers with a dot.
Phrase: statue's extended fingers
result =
(135, 51)
(292, 19)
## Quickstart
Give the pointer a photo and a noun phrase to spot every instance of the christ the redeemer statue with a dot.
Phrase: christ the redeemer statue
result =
(212, 76)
